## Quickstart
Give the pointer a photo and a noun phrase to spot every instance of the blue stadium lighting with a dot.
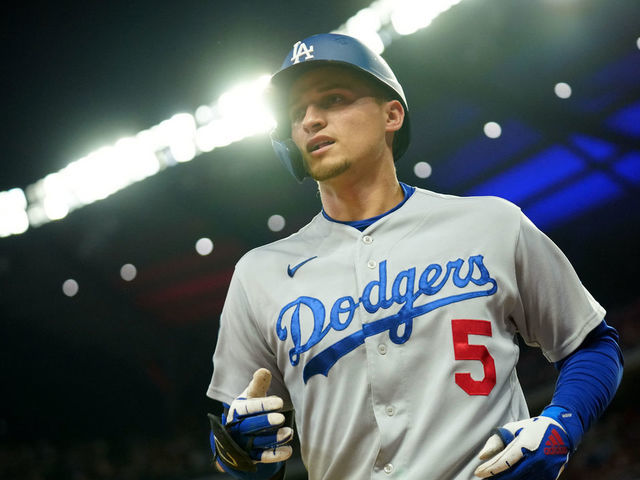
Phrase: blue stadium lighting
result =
(487, 153)
(619, 75)
(590, 191)
(594, 148)
(626, 120)
(629, 167)
(599, 101)
(526, 179)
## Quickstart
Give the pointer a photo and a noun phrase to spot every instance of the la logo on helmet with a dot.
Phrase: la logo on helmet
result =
(299, 49)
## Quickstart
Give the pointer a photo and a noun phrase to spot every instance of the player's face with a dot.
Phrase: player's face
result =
(337, 122)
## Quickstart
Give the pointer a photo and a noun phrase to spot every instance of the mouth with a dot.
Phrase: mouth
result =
(317, 145)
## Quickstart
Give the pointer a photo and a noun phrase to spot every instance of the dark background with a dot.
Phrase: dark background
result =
(110, 383)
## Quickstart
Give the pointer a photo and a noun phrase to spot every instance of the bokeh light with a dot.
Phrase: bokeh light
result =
(562, 90)
(204, 246)
(276, 223)
(128, 272)
(70, 287)
(492, 129)
(422, 170)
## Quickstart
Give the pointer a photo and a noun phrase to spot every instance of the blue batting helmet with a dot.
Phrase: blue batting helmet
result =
(329, 49)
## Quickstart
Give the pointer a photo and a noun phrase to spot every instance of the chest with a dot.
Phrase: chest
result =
(382, 289)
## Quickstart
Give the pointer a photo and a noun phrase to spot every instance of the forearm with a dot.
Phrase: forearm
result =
(587, 382)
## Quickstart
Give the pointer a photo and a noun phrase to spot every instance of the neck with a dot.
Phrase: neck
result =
(350, 199)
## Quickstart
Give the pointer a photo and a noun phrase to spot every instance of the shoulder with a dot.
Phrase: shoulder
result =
(282, 251)
(485, 206)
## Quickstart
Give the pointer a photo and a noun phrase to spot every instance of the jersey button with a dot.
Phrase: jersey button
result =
(367, 239)
(390, 410)
(382, 349)
(388, 468)
(372, 264)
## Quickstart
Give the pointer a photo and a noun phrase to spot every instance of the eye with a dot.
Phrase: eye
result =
(333, 99)
(296, 115)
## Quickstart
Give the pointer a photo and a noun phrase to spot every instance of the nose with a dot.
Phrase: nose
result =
(314, 119)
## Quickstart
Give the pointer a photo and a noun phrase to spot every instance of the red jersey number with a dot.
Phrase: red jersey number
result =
(464, 351)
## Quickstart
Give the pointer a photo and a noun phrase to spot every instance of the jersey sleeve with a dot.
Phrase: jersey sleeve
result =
(555, 311)
(241, 349)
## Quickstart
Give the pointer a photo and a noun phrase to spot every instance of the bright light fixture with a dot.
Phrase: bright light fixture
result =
(13, 215)
(239, 113)
(409, 16)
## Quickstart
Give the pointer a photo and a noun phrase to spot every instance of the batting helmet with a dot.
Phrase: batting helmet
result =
(329, 49)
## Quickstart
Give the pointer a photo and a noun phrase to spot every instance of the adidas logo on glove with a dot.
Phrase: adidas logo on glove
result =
(555, 445)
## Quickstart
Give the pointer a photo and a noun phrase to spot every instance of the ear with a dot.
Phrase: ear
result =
(395, 115)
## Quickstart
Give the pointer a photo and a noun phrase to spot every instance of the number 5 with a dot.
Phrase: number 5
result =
(464, 351)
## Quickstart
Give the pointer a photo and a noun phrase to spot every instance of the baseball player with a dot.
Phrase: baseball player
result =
(387, 325)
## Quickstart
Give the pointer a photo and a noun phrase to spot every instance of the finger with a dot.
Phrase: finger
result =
(259, 384)
(273, 440)
(273, 455)
(252, 406)
(492, 446)
(508, 457)
(489, 469)
(257, 423)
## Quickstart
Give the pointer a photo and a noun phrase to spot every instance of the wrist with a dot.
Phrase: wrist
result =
(264, 471)
(568, 420)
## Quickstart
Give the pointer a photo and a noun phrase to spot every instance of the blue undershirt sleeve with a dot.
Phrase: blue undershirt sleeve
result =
(587, 382)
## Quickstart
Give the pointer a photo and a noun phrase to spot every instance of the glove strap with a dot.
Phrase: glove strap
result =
(569, 421)
(226, 450)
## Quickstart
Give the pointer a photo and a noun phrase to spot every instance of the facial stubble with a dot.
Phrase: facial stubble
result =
(322, 173)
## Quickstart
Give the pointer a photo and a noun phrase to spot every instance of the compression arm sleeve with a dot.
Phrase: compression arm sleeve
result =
(587, 382)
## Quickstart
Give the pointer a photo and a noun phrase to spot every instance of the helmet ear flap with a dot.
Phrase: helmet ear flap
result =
(290, 156)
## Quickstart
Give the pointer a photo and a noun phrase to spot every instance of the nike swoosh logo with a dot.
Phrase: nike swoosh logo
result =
(292, 271)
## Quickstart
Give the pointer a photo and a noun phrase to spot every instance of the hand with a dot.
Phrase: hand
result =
(537, 449)
(253, 428)
(252, 433)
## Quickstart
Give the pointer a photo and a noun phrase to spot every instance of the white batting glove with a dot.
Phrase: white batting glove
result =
(537, 448)
(249, 422)
(252, 434)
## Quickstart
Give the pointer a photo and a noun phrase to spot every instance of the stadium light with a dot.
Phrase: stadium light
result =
(409, 16)
(13, 215)
(239, 113)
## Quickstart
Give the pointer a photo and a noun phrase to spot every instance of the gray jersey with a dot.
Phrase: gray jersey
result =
(396, 345)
